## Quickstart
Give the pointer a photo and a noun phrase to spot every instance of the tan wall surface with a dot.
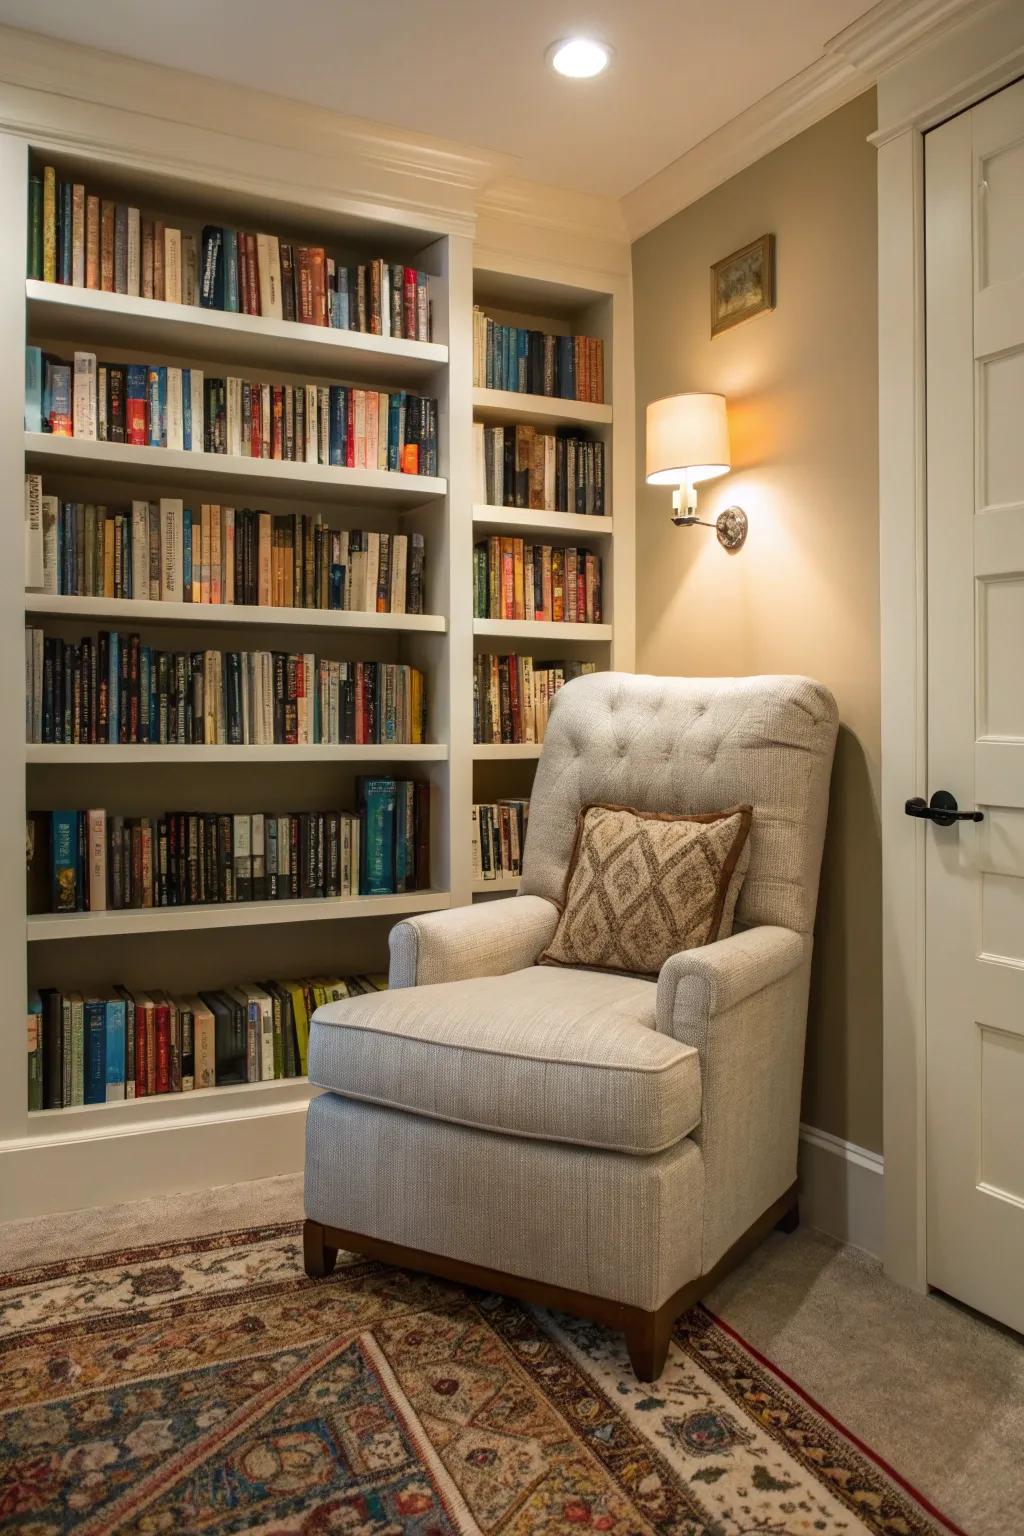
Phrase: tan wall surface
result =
(802, 595)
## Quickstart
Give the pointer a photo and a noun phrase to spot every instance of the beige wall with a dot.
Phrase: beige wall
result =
(802, 596)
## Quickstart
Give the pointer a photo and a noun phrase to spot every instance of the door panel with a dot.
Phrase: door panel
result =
(974, 210)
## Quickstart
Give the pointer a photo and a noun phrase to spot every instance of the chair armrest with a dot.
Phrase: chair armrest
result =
(489, 939)
(700, 983)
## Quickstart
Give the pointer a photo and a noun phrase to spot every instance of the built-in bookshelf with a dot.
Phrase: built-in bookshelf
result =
(237, 1130)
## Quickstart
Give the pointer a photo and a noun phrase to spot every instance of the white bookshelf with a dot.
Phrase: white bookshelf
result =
(523, 291)
(64, 1159)
(127, 610)
(222, 473)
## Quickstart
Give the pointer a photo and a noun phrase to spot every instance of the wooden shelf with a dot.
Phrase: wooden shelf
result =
(83, 315)
(78, 1120)
(49, 926)
(220, 472)
(538, 629)
(424, 752)
(503, 885)
(491, 752)
(501, 405)
(488, 519)
(144, 610)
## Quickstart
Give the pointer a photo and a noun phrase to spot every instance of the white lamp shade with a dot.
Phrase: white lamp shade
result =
(687, 436)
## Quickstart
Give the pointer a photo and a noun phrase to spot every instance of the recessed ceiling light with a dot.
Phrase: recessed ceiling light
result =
(581, 58)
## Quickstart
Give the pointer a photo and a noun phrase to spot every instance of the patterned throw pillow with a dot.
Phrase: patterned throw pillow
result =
(642, 886)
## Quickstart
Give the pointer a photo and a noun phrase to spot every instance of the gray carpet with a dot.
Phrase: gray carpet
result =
(935, 1390)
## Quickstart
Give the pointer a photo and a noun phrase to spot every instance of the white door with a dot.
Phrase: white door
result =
(974, 232)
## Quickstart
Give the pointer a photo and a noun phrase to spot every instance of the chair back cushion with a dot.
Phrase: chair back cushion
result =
(678, 744)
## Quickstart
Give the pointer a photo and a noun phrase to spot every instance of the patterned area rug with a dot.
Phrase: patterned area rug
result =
(209, 1387)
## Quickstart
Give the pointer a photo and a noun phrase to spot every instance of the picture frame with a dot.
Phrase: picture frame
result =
(743, 284)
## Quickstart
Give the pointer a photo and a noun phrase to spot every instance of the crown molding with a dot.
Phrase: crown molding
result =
(533, 202)
(365, 160)
(852, 62)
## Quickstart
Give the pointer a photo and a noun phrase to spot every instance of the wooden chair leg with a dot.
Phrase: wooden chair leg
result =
(647, 1341)
(790, 1220)
(318, 1259)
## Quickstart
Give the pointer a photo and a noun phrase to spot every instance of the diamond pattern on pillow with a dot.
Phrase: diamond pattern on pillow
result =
(642, 886)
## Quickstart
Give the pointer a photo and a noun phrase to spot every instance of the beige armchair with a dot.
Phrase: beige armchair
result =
(604, 1144)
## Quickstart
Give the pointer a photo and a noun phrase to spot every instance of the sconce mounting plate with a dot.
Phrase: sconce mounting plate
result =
(732, 527)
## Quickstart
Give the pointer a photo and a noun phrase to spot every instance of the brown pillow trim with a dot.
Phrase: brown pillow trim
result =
(744, 812)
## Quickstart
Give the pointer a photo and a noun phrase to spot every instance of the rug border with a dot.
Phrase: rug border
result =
(837, 1424)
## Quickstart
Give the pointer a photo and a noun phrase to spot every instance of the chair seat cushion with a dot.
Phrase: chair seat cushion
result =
(560, 1055)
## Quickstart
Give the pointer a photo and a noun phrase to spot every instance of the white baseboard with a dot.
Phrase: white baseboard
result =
(841, 1189)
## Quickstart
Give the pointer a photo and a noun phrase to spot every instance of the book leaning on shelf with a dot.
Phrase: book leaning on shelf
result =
(95, 861)
(516, 580)
(155, 406)
(521, 466)
(226, 555)
(498, 839)
(86, 241)
(114, 689)
(512, 695)
(128, 1043)
(531, 362)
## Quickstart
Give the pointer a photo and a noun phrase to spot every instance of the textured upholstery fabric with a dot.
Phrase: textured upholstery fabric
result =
(692, 744)
(628, 1228)
(642, 886)
(743, 1004)
(486, 940)
(564, 1056)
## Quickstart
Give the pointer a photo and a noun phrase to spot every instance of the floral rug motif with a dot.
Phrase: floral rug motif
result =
(208, 1387)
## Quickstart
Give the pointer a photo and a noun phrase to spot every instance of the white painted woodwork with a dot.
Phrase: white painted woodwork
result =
(974, 193)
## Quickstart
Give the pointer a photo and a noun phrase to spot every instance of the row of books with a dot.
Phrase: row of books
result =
(536, 362)
(498, 839)
(521, 466)
(164, 551)
(95, 861)
(83, 240)
(512, 695)
(127, 1043)
(113, 688)
(153, 406)
(256, 274)
(516, 580)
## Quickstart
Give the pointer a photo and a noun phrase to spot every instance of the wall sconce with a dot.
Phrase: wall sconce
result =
(687, 442)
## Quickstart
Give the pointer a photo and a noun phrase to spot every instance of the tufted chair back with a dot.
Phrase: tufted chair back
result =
(693, 744)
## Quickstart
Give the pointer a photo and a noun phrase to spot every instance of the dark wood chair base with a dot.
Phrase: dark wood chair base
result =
(648, 1334)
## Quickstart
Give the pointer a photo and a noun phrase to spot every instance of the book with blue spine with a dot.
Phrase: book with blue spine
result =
(114, 1076)
(35, 1051)
(338, 425)
(64, 882)
(377, 836)
(33, 389)
(95, 1074)
(401, 838)
(153, 407)
(186, 409)
(230, 250)
(396, 404)
(113, 687)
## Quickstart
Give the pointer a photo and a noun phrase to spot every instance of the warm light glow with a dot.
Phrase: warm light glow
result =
(687, 435)
(581, 58)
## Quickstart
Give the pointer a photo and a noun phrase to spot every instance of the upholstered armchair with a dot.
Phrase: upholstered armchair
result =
(605, 1144)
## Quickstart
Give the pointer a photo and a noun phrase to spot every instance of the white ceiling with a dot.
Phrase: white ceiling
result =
(474, 70)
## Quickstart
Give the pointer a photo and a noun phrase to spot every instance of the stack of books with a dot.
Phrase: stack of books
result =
(125, 1044)
(512, 695)
(153, 406)
(83, 240)
(535, 362)
(223, 555)
(521, 466)
(113, 688)
(516, 580)
(498, 839)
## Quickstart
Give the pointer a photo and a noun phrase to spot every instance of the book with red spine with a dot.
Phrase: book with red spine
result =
(409, 303)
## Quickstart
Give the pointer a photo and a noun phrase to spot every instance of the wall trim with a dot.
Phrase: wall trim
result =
(852, 62)
(842, 1189)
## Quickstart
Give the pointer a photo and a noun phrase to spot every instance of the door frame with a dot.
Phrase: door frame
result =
(976, 58)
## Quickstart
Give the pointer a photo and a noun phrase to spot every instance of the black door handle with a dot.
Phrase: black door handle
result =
(941, 809)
